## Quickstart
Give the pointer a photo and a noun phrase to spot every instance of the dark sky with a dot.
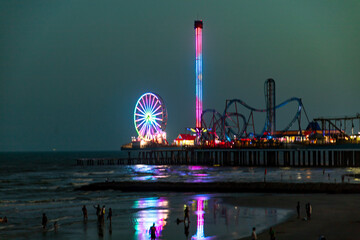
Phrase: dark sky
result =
(72, 71)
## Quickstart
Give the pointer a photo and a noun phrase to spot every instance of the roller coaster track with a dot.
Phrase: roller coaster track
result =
(223, 125)
(293, 99)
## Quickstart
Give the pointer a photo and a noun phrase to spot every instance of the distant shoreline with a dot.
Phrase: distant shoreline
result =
(224, 187)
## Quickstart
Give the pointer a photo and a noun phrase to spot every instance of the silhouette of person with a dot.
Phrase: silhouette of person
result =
(253, 234)
(102, 214)
(44, 221)
(186, 214)
(84, 210)
(98, 210)
(109, 215)
(272, 234)
(298, 209)
(152, 231)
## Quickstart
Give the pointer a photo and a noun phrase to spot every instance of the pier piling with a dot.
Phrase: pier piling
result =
(235, 157)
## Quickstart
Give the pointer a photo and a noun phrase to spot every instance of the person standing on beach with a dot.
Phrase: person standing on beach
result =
(186, 214)
(253, 234)
(109, 215)
(84, 210)
(98, 210)
(310, 210)
(44, 221)
(153, 232)
(298, 209)
(101, 216)
(272, 234)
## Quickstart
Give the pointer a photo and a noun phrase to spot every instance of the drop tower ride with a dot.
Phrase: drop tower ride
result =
(198, 25)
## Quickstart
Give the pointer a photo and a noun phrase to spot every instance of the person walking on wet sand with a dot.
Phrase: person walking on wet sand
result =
(109, 215)
(84, 211)
(152, 231)
(253, 234)
(186, 214)
(272, 234)
(44, 221)
(298, 209)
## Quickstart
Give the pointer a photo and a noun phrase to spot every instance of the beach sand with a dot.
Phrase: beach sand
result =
(336, 216)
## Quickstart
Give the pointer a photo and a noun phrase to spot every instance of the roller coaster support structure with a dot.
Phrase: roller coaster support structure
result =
(339, 124)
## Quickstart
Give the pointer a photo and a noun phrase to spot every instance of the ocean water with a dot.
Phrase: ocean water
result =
(36, 183)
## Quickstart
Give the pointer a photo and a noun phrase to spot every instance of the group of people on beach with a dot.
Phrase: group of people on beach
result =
(100, 213)
(271, 233)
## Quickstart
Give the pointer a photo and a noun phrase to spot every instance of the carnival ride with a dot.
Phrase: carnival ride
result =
(233, 124)
(150, 117)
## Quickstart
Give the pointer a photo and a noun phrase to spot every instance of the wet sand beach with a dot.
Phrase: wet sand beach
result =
(336, 216)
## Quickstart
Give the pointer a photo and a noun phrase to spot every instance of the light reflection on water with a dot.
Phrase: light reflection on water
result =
(210, 218)
(237, 174)
(155, 212)
(201, 202)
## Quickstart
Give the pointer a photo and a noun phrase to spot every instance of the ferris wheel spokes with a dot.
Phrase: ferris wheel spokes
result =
(150, 116)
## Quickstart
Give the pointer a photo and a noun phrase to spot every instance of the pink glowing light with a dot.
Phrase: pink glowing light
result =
(198, 69)
(200, 220)
(154, 211)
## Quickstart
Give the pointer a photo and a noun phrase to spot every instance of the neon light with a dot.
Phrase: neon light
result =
(200, 220)
(150, 116)
(198, 69)
(155, 211)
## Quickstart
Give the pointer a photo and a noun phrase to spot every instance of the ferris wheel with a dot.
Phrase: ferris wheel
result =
(150, 116)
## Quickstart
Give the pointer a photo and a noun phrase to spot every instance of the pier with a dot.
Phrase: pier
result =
(294, 157)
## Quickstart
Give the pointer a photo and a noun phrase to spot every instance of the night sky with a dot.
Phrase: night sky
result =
(72, 71)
